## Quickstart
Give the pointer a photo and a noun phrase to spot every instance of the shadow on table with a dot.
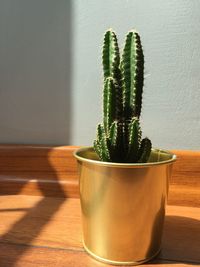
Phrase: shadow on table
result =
(181, 241)
(27, 228)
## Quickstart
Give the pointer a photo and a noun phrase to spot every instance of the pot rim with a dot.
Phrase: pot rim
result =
(124, 165)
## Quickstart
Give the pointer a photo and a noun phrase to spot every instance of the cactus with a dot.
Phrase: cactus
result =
(119, 137)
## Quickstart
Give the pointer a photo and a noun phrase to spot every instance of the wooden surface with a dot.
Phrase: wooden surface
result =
(42, 231)
(38, 170)
(44, 257)
(51, 171)
(185, 180)
(40, 221)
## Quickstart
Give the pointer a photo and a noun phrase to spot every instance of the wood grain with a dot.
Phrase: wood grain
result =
(186, 170)
(52, 222)
(184, 195)
(39, 187)
(181, 237)
(51, 171)
(38, 170)
(55, 223)
(47, 162)
(185, 181)
(41, 256)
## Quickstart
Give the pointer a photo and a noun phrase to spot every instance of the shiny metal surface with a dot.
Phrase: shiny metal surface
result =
(123, 206)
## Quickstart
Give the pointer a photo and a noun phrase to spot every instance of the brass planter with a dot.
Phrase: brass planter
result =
(123, 206)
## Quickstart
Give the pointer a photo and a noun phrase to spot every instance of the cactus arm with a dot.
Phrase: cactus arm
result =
(108, 103)
(97, 149)
(97, 143)
(110, 58)
(116, 144)
(139, 76)
(114, 140)
(132, 65)
(103, 143)
(113, 134)
(134, 140)
(118, 95)
(145, 150)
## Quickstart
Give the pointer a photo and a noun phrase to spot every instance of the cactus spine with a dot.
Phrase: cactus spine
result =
(119, 137)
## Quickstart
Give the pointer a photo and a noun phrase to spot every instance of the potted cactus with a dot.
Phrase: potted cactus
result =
(123, 180)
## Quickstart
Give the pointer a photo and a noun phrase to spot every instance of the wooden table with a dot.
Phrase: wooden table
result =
(40, 222)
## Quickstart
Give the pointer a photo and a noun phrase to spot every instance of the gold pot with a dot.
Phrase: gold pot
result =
(123, 206)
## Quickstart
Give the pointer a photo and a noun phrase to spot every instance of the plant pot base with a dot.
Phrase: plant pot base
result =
(119, 262)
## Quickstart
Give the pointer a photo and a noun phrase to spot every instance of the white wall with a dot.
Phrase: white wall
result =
(35, 71)
(50, 69)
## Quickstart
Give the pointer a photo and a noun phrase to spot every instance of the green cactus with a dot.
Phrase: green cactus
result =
(119, 137)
